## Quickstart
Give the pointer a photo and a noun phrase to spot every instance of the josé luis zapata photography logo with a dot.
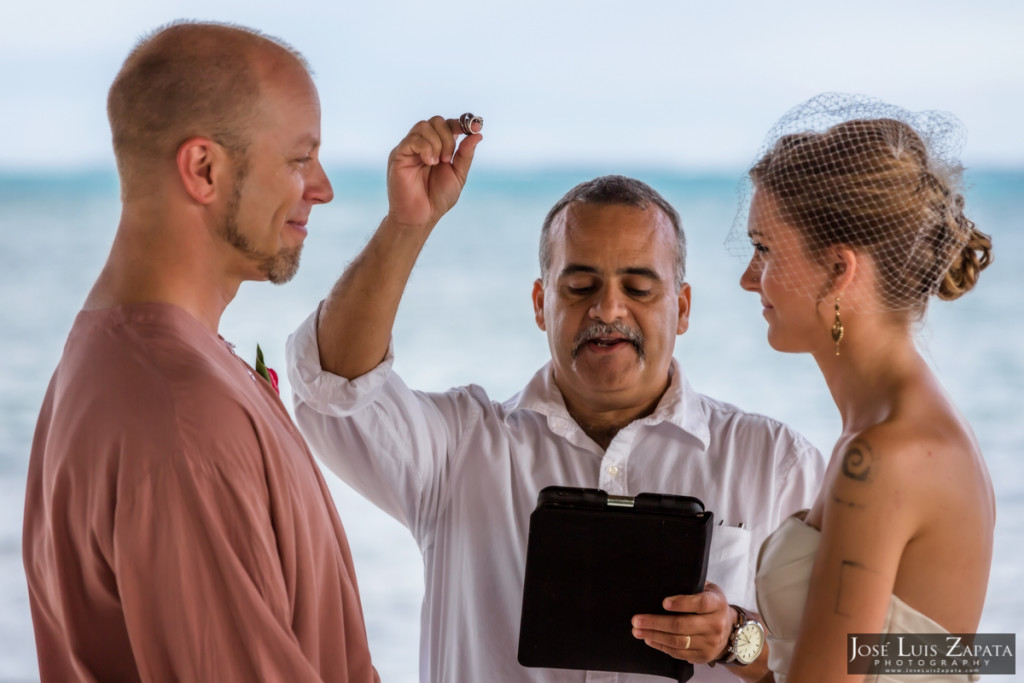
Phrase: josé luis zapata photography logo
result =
(931, 653)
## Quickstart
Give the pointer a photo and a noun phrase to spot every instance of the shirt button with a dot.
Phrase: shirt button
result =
(613, 470)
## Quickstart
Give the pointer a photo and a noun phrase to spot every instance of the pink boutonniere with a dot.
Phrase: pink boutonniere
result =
(266, 373)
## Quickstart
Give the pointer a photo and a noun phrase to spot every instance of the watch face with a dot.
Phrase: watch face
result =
(748, 643)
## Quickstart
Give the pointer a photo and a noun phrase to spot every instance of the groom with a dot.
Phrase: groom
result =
(176, 526)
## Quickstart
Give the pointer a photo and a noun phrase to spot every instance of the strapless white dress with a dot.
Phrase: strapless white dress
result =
(782, 580)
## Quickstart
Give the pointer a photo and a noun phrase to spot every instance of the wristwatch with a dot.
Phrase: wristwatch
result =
(746, 641)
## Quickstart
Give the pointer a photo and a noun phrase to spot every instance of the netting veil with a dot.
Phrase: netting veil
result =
(853, 171)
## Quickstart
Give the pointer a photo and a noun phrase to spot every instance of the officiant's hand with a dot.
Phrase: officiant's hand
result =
(427, 171)
(698, 632)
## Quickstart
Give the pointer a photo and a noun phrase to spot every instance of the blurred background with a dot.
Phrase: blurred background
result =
(677, 93)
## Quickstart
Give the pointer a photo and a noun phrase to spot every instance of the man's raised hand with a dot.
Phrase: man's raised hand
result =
(427, 171)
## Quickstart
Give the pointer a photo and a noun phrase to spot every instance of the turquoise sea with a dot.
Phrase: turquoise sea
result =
(467, 318)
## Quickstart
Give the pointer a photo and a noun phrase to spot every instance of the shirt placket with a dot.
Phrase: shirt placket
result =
(615, 463)
(614, 479)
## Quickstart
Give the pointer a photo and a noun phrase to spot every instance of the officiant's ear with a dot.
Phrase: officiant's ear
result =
(538, 303)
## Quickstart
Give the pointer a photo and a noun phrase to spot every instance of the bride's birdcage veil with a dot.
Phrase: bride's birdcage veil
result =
(849, 170)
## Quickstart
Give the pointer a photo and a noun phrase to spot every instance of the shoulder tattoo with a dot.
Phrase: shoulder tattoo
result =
(853, 505)
(858, 461)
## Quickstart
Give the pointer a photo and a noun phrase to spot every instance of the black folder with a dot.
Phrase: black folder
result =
(595, 560)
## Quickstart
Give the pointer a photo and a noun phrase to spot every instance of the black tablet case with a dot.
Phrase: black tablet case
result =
(593, 562)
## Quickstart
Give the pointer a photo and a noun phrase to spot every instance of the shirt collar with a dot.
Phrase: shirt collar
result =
(680, 406)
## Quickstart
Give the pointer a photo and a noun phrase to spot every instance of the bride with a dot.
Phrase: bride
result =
(856, 221)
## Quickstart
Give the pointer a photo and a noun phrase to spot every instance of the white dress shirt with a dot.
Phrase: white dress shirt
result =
(462, 472)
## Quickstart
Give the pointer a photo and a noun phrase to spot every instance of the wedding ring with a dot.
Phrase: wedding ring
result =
(467, 120)
(687, 645)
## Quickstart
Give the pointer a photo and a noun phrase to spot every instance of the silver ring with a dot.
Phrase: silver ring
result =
(687, 646)
(467, 120)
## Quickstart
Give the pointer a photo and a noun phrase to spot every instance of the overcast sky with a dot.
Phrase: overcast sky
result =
(671, 83)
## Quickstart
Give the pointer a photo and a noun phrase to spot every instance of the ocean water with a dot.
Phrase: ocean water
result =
(467, 318)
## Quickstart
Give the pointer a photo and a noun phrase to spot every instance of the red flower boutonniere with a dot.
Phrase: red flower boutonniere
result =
(265, 372)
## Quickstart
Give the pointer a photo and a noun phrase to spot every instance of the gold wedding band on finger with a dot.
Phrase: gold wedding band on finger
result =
(467, 120)
(687, 645)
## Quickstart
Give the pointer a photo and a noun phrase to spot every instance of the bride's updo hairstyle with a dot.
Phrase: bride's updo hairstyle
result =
(851, 171)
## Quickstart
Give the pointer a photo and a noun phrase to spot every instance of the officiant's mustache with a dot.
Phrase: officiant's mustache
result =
(598, 330)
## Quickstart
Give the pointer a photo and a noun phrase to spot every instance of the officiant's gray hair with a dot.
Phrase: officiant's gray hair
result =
(612, 190)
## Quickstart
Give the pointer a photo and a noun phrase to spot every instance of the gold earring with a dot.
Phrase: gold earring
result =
(837, 328)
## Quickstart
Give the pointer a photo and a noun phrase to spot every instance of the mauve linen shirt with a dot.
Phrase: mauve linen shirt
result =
(176, 525)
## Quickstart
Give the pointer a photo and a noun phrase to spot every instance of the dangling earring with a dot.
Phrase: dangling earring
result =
(837, 328)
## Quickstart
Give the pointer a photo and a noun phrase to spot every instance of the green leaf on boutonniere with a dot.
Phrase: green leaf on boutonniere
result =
(261, 367)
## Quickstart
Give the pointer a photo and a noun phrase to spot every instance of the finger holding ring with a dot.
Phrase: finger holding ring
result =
(467, 121)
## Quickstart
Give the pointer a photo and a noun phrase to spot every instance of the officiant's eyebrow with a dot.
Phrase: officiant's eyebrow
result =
(642, 271)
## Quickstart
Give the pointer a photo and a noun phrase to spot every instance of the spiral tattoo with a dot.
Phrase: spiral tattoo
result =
(858, 461)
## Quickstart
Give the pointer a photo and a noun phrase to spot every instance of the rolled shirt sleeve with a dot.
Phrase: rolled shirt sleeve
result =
(391, 444)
